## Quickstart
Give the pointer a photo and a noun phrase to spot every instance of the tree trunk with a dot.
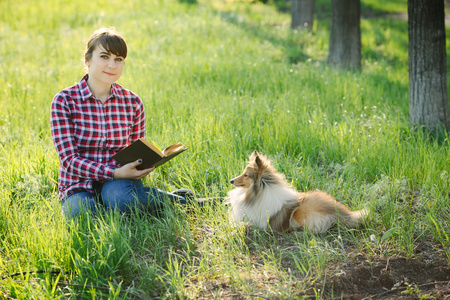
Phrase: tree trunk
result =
(345, 34)
(428, 99)
(302, 12)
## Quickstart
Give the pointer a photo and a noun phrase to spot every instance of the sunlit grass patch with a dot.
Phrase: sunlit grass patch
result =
(224, 78)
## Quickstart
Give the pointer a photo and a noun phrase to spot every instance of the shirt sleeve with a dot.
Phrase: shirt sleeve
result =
(62, 130)
(138, 128)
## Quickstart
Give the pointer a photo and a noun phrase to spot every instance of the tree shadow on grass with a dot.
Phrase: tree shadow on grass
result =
(293, 43)
(293, 51)
(188, 1)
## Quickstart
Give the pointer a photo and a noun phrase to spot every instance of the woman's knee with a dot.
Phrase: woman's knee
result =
(121, 193)
(124, 194)
(77, 203)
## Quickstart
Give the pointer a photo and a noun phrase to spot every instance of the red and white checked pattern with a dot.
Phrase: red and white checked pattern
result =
(87, 133)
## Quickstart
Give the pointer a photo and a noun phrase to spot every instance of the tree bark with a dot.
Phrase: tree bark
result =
(302, 13)
(345, 34)
(428, 98)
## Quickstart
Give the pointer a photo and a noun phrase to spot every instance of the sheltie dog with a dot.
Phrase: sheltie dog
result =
(263, 198)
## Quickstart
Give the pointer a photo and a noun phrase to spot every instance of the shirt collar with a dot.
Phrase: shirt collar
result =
(84, 88)
(115, 90)
(86, 92)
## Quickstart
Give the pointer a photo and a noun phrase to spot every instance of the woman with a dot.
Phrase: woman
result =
(93, 120)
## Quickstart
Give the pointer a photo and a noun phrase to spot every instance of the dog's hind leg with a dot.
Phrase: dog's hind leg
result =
(311, 221)
(318, 211)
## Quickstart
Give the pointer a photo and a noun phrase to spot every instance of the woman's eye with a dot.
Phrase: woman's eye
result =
(104, 56)
(119, 59)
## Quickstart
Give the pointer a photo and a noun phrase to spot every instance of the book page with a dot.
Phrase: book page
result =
(151, 146)
(172, 149)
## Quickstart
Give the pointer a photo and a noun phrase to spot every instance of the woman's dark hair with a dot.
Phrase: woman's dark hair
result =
(109, 39)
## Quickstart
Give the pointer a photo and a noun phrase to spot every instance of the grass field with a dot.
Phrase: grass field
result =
(224, 78)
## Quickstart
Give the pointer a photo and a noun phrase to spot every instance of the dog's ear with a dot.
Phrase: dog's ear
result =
(259, 162)
(253, 155)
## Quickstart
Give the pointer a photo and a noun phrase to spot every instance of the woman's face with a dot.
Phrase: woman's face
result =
(104, 67)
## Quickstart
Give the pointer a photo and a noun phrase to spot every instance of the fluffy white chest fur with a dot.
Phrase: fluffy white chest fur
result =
(260, 210)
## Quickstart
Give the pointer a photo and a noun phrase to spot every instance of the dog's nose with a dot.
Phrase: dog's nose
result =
(231, 181)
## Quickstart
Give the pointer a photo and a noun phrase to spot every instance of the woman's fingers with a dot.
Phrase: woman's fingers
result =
(130, 171)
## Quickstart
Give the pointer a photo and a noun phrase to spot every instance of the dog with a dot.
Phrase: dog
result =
(263, 198)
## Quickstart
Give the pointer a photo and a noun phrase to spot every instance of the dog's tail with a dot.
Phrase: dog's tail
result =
(354, 218)
(318, 211)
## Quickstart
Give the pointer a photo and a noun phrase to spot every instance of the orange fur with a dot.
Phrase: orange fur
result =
(264, 198)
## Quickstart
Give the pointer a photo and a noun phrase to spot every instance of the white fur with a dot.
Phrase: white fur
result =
(272, 200)
(315, 222)
(357, 217)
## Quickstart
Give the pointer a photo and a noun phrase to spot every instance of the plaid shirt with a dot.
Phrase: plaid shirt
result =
(86, 133)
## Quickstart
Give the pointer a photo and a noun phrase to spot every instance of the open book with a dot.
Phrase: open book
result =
(150, 155)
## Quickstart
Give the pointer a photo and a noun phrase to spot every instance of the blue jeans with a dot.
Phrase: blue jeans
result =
(120, 194)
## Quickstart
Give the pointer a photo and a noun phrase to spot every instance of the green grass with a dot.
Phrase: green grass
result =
(224, 78)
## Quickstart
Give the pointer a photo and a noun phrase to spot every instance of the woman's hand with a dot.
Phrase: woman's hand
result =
(129, 171)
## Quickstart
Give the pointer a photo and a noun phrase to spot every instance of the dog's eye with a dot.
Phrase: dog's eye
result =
(245, 175)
